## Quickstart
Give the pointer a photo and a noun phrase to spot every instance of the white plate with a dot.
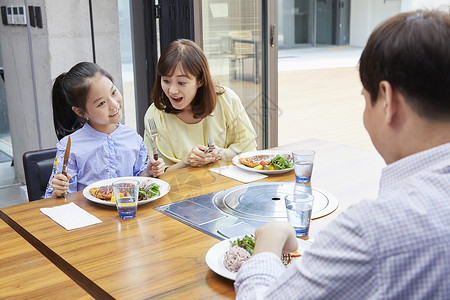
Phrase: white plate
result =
(262, 152)
(164, 188)
(214, 256)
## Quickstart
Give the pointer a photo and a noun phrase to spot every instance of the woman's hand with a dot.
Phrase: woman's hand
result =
(201, 155)
(60, 184)
(155, 168)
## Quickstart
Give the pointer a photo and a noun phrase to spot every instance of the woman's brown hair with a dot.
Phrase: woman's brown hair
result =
(191, 59)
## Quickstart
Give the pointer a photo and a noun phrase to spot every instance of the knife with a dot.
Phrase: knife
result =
(66, 158)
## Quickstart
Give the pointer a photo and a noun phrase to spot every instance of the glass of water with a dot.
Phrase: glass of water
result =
(303, 165)
(126, 195)
(299, 210)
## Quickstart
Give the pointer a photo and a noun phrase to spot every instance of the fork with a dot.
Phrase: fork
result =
(210, 144)
(154, 133)
(286, 259)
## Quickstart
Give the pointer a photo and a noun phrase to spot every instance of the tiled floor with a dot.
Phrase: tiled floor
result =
(11, 191)
(330, 111)
(318, 88)
(321, 57)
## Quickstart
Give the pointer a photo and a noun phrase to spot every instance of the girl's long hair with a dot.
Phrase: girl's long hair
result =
(70, 89)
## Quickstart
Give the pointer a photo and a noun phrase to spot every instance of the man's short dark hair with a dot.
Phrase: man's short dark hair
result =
(412, 52)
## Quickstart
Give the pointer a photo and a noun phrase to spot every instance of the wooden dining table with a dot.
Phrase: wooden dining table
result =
(26, 274)
(155, 256)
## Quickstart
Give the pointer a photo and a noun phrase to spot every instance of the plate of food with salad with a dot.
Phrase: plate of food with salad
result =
(226, 257)
(150, 189)
(265, 161)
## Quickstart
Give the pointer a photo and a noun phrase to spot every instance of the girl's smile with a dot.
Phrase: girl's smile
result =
(115, 113)
(103, 105)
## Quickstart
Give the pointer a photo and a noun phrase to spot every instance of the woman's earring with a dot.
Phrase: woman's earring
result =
(87, 119)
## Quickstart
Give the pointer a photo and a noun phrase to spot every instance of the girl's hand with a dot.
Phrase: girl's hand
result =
(199, 156)
(156, 168)
(60, 184)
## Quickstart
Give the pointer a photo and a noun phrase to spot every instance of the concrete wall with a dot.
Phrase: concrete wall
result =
(367, 14)
(64, 40)
(417, 4)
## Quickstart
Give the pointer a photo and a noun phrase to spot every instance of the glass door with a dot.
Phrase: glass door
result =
(308, 23)
(235, 36)
(324, 22)
(342, 22)
(5, 134)
(297, 22)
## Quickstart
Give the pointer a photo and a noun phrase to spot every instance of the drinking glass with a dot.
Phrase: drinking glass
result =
(299, 210)
(126, 195)
(303, 165)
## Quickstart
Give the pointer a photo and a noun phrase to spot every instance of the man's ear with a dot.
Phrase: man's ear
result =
(388, 95)
(79, 111)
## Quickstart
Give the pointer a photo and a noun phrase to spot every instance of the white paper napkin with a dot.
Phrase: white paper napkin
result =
(238, 174)
(70, 216)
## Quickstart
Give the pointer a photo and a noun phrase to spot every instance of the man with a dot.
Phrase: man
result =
(398, 245)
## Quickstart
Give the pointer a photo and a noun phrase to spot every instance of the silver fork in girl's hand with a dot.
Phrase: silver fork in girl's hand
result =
(154, 133)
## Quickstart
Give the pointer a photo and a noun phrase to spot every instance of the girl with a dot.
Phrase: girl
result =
(102, 147)
(188, 109)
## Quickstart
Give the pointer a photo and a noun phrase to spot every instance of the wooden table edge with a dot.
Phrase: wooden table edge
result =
(84, 282)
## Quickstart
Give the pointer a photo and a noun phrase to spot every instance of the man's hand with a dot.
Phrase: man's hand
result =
(276, 237)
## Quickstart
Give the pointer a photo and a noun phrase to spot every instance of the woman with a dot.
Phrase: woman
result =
(188, 109)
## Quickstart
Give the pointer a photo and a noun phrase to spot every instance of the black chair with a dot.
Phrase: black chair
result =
(38, 166)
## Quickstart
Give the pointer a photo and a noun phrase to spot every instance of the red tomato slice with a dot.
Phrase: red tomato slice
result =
(263, 163)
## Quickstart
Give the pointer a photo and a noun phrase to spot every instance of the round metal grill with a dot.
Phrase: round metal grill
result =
(265, 201)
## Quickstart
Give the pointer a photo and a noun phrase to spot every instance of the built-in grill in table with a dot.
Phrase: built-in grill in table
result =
(240, 210)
